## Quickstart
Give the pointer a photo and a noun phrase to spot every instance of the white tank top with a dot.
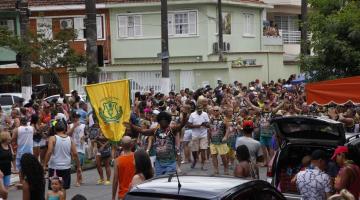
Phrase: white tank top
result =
(61, 157)
(25, 140)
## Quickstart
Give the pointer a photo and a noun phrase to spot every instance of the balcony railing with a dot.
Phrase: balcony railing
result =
(290, 37)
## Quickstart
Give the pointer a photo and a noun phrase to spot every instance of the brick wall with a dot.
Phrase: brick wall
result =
(79, 46)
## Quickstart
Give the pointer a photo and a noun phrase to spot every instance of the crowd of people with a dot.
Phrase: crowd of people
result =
(230, 123)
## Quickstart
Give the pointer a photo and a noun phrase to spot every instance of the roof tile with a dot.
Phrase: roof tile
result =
(10, 4)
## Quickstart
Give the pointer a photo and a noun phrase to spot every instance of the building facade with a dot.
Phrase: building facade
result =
(287, 15)
(192, 24)
(130, 34)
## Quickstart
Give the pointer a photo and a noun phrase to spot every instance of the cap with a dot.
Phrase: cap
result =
(248, 124)
(156, 112)
(339, 150)
(319, 155)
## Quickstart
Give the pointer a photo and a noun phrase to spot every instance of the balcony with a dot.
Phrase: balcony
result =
(272, 40)
(290, 37)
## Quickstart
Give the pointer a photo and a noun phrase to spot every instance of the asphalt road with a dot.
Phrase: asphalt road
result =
(100, 192)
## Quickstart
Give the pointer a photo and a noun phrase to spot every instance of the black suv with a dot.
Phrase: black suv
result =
(203, 187)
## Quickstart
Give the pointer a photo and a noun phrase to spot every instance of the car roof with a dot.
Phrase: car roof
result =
(194, 186)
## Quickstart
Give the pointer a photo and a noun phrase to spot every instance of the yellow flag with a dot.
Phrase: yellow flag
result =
(111, 103)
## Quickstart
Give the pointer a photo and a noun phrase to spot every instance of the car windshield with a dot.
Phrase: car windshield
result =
(293, 128)
(6, 100)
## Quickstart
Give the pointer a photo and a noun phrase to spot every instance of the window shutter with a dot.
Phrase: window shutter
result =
(79, 27)
(192, 22)
(245, 24)
(99, 27)
(251, 24)
(137, 25)
(122, 20)
(171, 24)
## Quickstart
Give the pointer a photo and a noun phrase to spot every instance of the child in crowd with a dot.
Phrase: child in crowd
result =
(56, 192)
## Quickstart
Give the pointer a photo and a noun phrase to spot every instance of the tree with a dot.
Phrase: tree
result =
(335, 40)
(49, 54)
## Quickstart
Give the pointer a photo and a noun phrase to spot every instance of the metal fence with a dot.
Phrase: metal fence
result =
(291, 37)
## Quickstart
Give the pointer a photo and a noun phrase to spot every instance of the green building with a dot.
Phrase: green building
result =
(194, 60)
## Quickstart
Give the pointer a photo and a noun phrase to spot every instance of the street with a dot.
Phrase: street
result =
(92, 191)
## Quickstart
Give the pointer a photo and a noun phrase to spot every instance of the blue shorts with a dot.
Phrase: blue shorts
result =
(163, 169)
(265, 141)
(6, 180)
(81, 158)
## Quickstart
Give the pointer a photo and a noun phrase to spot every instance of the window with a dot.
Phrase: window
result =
(8, 24)
(79, 27)
(269, 194)
(100, 27)
(249, 24)
(249, 61)
(182, 23)
(247, 194)
(130, 26)
(286, 22)
(226, 23)
(44, 27)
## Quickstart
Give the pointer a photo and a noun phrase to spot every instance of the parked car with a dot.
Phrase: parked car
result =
(300, 136)
(8, 99)
(202, 187)
(57, 96)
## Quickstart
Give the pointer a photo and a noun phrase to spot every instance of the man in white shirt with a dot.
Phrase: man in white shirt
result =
(77, 134)
(199, 124)
(314, 183)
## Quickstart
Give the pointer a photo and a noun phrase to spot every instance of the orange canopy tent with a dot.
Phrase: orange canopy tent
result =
(339, 91)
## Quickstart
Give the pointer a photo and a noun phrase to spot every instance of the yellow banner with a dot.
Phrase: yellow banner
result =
(111, 103)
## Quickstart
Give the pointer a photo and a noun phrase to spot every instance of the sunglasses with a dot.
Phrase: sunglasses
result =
(216, 110)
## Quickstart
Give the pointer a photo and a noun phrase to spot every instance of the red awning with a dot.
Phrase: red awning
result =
(339, 91)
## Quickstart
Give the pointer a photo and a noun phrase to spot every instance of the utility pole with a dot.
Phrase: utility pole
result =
(304, 27)
(165, 80)
(220, 24)
(26, 76)
(91, 47)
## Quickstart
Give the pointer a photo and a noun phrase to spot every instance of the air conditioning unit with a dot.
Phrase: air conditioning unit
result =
(66, 24)
(226, 47)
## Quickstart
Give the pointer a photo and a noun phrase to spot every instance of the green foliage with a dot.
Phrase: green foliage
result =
(46, 53)
(335, 41)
